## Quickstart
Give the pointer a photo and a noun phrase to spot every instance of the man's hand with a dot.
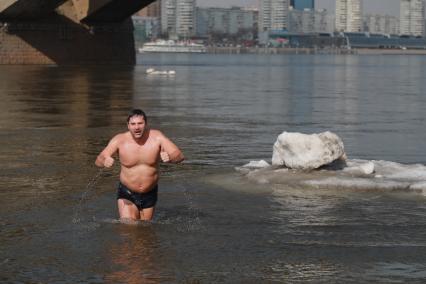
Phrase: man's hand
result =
(108, 162)
(165, 157)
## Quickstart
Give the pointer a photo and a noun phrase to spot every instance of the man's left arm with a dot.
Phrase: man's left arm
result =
(170, 153)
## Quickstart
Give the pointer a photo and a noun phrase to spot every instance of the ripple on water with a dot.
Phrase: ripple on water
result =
(397, 272)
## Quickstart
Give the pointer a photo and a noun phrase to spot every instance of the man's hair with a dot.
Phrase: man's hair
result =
(137, 112)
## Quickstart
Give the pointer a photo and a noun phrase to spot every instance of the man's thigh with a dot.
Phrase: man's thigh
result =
(127, 209)
(147, 213)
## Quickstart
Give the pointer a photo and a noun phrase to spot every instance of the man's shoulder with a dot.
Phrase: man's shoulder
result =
(155, 133)
(120, 137)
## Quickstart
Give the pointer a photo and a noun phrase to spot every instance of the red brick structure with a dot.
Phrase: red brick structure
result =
(152, 10)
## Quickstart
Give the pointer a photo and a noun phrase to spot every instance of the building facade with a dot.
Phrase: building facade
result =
(146, 28)
(225, 22)
(349, 16)
(273, 15)
(309, 21)
(323, 21)
(412, 17)
(168, 17)
(381, 24)
(178, 18)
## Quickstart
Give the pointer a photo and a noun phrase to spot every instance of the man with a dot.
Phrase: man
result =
(139, 150)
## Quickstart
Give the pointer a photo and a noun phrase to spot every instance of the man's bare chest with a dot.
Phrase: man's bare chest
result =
(132, 154)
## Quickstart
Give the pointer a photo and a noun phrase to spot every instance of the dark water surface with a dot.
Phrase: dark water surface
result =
(58, 219)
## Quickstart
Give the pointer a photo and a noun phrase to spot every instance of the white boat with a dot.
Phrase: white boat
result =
(172, 46)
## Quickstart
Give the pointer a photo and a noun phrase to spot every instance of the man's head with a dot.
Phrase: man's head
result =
(137, 112)
(136, 123)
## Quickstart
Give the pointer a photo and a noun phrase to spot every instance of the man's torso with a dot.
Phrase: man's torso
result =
(139, 162)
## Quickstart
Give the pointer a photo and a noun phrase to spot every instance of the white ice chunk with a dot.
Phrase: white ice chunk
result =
(257, 164)
(305, 152)
(363, 169)
(252, 165)
(419, 187)
(152, 71)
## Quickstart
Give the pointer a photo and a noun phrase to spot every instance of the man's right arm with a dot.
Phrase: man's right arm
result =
(105, 159)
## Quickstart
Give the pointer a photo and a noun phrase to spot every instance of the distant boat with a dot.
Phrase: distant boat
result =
(172, 46)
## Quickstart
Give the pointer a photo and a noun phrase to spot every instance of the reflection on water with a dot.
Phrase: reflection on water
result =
(68, 98)
(211, 225)
(133, 258)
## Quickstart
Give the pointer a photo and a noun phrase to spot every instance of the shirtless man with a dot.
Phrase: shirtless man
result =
(140, 150)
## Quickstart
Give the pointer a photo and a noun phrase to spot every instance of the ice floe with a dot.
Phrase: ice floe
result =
(357, 174)
(340, 173)
(152, 71)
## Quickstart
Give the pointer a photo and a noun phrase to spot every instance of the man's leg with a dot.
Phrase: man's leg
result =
(128, 210)
(147, 213)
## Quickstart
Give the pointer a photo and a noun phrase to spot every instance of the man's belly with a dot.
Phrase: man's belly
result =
(141, 178)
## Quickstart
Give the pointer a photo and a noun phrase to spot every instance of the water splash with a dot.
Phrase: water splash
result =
(194, 221)
(76, 216)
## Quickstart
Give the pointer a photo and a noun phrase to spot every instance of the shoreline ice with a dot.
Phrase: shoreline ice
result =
(353, 174)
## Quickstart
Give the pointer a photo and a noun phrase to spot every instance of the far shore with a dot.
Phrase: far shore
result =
(327, 50)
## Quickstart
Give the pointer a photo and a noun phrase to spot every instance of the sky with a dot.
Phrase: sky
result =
(390, 7)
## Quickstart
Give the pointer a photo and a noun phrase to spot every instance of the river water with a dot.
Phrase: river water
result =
(58, 218)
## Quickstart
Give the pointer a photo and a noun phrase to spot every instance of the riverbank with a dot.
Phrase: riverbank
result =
(369, 51)
(288, 50)
(276, 50)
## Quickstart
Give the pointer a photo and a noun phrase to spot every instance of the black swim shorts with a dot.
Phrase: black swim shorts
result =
(141, 200)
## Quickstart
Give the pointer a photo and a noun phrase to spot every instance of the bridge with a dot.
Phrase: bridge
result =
(65, 32)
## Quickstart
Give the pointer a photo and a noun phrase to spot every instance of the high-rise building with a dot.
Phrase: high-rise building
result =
(178, 18)
(349, 15)
(273, 15)
(412, 19)
(381, 24)
(145, 28)
(226, 21)
(310, 21)
(324, 21)
(302, 4)
(185, 18)
(168, 17)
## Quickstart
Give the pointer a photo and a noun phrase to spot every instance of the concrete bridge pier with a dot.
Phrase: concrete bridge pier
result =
(68, 32)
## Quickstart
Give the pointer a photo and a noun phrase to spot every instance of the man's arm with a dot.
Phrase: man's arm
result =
(170, 153)
(105, 159)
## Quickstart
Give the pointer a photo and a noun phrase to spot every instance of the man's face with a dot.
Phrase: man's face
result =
(136, 126)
